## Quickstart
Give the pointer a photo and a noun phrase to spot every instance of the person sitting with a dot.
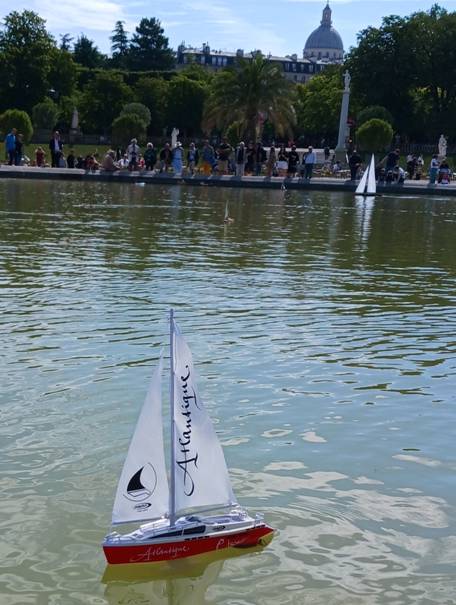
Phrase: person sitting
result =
(109, 164)
(71, 159)
(80, 162)
(398, 174)
(123, 162)
(444, 173)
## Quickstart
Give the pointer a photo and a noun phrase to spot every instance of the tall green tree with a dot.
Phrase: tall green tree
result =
(119, 45)
(153, 93)
(86, 53)
(65, 42)
(185, 104)
(318, 104)
(25, 60)
(149, 48)
(63, 73)
(250, 93)
(102, 101)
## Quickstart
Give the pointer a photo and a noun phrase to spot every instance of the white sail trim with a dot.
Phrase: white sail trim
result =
(200, 472)
(142, 492)
(371, 180)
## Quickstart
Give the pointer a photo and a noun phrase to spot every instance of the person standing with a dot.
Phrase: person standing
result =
(224, 150)
(208, 157)
(165, 158)
(293, 161)
(411, 165)
(326, 151)
(434, 169)
(309, 163)
(178, 159)
(282, 161)
(192, 158)
(354, 163)
(260, 158)
(56, 147)
(271, 163)
(10, 144)
(241, 159)
(150, 157)
(19, 150)
(133, 155)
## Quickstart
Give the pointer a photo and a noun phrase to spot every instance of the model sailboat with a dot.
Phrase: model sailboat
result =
(368, 184)
(199, 479)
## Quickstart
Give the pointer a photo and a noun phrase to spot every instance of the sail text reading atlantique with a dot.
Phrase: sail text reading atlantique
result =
(186, 438)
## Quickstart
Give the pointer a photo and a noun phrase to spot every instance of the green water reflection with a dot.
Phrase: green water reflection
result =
(323, 328)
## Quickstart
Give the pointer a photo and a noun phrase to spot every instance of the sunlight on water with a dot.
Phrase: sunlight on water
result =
(323, 330)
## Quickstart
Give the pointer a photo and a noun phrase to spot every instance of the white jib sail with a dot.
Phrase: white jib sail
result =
(361, 189)
(200, 472)
(142, 492)
(371, 180)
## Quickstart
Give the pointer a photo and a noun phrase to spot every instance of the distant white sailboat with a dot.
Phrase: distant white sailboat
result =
(198, 479)
(368, 183)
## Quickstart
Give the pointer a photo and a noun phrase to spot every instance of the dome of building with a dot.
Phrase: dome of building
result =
(325, 42)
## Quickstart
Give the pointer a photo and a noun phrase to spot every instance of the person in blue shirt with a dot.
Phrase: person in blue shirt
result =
(10, 143)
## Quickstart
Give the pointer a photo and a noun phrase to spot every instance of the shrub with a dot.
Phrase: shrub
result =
(127, 127)
(374, 135)
(139, 110)
(15, 118)
(45, 115)
(374, 111)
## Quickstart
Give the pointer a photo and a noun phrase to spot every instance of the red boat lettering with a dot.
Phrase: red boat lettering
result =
(220, 544)
(158, 551)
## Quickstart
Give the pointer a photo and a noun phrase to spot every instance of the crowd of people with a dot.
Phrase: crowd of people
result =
(253, 159)
(223, 159)
(388, 170)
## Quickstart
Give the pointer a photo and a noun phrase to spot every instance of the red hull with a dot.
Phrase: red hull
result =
(166, 551)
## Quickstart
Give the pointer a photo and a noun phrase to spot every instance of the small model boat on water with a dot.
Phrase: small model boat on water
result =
(199, 479)
(368, 184)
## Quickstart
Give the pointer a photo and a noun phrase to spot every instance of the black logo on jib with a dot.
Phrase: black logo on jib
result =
(141, 487)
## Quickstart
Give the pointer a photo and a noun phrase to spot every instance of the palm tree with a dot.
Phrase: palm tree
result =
(247, 95)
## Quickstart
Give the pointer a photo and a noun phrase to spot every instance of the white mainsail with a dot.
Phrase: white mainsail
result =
(360, 190)
(142, 492)
(200, 474)
(371, 181)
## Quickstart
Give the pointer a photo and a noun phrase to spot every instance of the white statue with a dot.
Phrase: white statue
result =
(442, 146)
(75, 120)
(347, 80)
(174, 135)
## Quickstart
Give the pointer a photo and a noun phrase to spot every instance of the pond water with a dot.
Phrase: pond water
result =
(323, 330)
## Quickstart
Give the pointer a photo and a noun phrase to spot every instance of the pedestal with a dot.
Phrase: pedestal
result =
(341, 150)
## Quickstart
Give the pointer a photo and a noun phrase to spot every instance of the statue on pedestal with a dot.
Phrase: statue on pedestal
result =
(347, 80)
(174, 135)
(442, 146)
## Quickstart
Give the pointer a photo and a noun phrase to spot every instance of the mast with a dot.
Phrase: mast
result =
(172, 494)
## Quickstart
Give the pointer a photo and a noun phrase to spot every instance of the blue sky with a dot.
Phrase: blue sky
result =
(276, 26)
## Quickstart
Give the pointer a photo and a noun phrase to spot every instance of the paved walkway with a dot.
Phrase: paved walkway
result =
(261, 182)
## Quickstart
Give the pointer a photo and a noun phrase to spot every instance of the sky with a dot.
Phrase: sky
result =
(279, 27)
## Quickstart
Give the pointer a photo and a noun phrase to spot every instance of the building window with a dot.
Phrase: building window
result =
(293, 66)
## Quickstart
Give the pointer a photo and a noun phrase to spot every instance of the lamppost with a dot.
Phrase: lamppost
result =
(341, 151)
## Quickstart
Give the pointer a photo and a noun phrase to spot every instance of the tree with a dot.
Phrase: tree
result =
(318, 104)
(374, 135)
(153, 93)
(102, 101)
(374, 111)
(149, 48)
(65, 42)
(126, 127)
(185, 104)
(119, 44)
(137, 109)
(63, 73)
(86, 53)
(250, 93)
(15, 118)
(45, 115)
(25, 60)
